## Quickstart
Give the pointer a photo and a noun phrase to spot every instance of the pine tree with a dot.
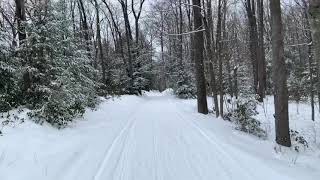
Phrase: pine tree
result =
(8, 90)
(61, 77)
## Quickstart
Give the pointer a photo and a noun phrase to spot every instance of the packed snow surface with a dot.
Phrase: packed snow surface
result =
(153, 137)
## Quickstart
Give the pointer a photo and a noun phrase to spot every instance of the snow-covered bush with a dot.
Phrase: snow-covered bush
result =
(184, 87)
(8, 86)
(185, 91)
(58, 80)
(298, 141)
(243, 117)
(143, 73)
(10, 119)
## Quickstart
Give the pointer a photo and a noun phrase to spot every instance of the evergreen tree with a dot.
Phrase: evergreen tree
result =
(61, 79)
(8, 90)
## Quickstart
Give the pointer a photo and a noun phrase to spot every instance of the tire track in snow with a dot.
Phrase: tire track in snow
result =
(222, 147)
(109, 151)
(218, 148)
(126, 148)
(155, 150)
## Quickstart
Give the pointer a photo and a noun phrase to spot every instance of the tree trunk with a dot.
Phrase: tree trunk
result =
(219, 55)
(101, 57)
(198, 46)
(314, 12)
(279, 77)
(180, 32)
(137, 17)
(262, 74)
(85, 26)
(21, 19)
(310, 56)
(117, 31)
(226, 52)
(254, 50)
(210, 55)
(129, 39)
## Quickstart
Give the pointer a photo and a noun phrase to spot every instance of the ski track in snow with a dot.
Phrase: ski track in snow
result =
(156, 137)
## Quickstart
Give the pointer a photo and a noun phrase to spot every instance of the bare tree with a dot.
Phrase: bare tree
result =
(210, 54)
(314, 12)
(219, 45)
(198, 46)
(99, 41)
(136, 15)
(117, 29)
(279, 76)
(85, 26)
(262, 75)
(124, 6)
(11, 21)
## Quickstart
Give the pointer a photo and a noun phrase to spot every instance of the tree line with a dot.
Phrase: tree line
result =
(58, 57)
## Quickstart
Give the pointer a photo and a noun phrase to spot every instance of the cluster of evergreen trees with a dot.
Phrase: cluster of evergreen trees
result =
(54, 65)
(58, 56)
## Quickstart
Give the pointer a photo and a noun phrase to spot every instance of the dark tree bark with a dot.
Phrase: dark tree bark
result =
(279, 76)
(99, 41)
(85, 26)
(262, 74)
(124, 6)
(219, 55)
(72, 8)
(310, 56)
(198, 46)
(210, 55)
(253, 44)
(180, 32)
(225, 49)
(21, 19)
(11, 22)
(314, 12)
(136, 16)
(117, 31)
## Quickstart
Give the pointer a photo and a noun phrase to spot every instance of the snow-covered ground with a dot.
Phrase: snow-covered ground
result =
(155, 137)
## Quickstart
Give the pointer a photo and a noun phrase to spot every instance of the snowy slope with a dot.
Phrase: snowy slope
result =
(154, 137)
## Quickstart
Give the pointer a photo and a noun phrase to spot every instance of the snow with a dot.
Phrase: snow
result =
(155, 136)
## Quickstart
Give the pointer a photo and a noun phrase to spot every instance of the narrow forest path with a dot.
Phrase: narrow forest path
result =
(155, 137)
(160, 142)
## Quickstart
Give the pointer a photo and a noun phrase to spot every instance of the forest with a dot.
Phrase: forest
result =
(254, 64)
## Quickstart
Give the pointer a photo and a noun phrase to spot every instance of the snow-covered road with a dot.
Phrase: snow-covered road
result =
(156, 137)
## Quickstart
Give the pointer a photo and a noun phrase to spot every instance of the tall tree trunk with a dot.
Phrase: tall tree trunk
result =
(164, 79)
(311, 81)
(262, 74)
(21, 19)
(279, 77)
(180, 32)
(210, 55)
(72, 7)
(310, 56)
(129, 39)
(219, 55)
(117, 31)
(85, 26)
(225, 54)
(254, 50)
(137, 17)
(314, 12)
(198, 46)
(101, 57)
